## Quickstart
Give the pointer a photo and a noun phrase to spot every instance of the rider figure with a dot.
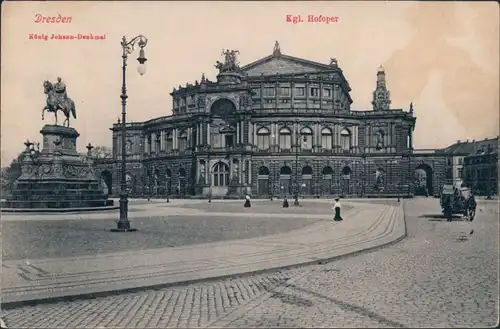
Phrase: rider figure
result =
(60, 89)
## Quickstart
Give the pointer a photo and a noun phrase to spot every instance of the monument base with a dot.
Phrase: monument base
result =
(123, 230)
(57, 176)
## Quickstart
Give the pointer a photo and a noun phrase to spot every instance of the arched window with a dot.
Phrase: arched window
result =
(307, 138)
(263, 181)
(379, 141)
(285, 138)
(263, 136)
(264, 171)
(326, 138)
(345, 140)
(285, 180)
(307, 175)
(220, 174)
(169, 141)
(326, 183)
(182, 141)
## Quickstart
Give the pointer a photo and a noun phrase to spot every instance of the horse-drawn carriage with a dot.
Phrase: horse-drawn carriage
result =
(457, 201)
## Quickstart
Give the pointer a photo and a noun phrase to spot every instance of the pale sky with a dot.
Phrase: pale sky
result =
(442, 56)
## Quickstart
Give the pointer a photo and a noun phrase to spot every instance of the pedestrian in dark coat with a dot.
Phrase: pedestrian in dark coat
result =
(247, 202)
(336, 208)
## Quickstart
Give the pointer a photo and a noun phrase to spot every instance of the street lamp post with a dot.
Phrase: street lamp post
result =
(123, 224)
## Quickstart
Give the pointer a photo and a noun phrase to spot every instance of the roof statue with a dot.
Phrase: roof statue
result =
(411, 107)
(333, 62)
(58, 100)
(230, 62)
(276, 50)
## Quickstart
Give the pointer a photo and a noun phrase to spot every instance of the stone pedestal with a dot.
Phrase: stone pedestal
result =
(229, 78)
(57, 176)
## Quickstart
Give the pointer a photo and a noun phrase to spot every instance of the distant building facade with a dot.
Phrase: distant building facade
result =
(455, 155)
(481, 167)
(275, 127)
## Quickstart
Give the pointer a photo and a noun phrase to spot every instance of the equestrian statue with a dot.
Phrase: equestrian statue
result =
(58, 100)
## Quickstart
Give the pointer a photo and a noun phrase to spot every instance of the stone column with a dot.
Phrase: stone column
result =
(249, 169)
(240, 170)
(153, 143)
(355, 137)
(317, 133)
(320, 95)
(393, 135)
(189, 133)
(238, 133)
(174, 139)
(254, 138)
(208, 133)
(207, 171)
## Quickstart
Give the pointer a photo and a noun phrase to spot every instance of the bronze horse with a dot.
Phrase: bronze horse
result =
(55, 103)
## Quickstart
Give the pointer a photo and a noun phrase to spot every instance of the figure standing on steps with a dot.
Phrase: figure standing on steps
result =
(285, 203)
(336, 208)
(247, 202)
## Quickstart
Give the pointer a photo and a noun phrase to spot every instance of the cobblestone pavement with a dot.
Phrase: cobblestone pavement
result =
(430, 279)
(69, 238)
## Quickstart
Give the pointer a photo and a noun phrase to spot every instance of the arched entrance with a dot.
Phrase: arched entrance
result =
(346, 178)
(326, 182)
(263, 181)
(107, 182)
(307, 175)
(423, 180)
(285, 180)
(220, 179)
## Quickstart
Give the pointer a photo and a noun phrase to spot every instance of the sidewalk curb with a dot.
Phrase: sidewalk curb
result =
(92, 295)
